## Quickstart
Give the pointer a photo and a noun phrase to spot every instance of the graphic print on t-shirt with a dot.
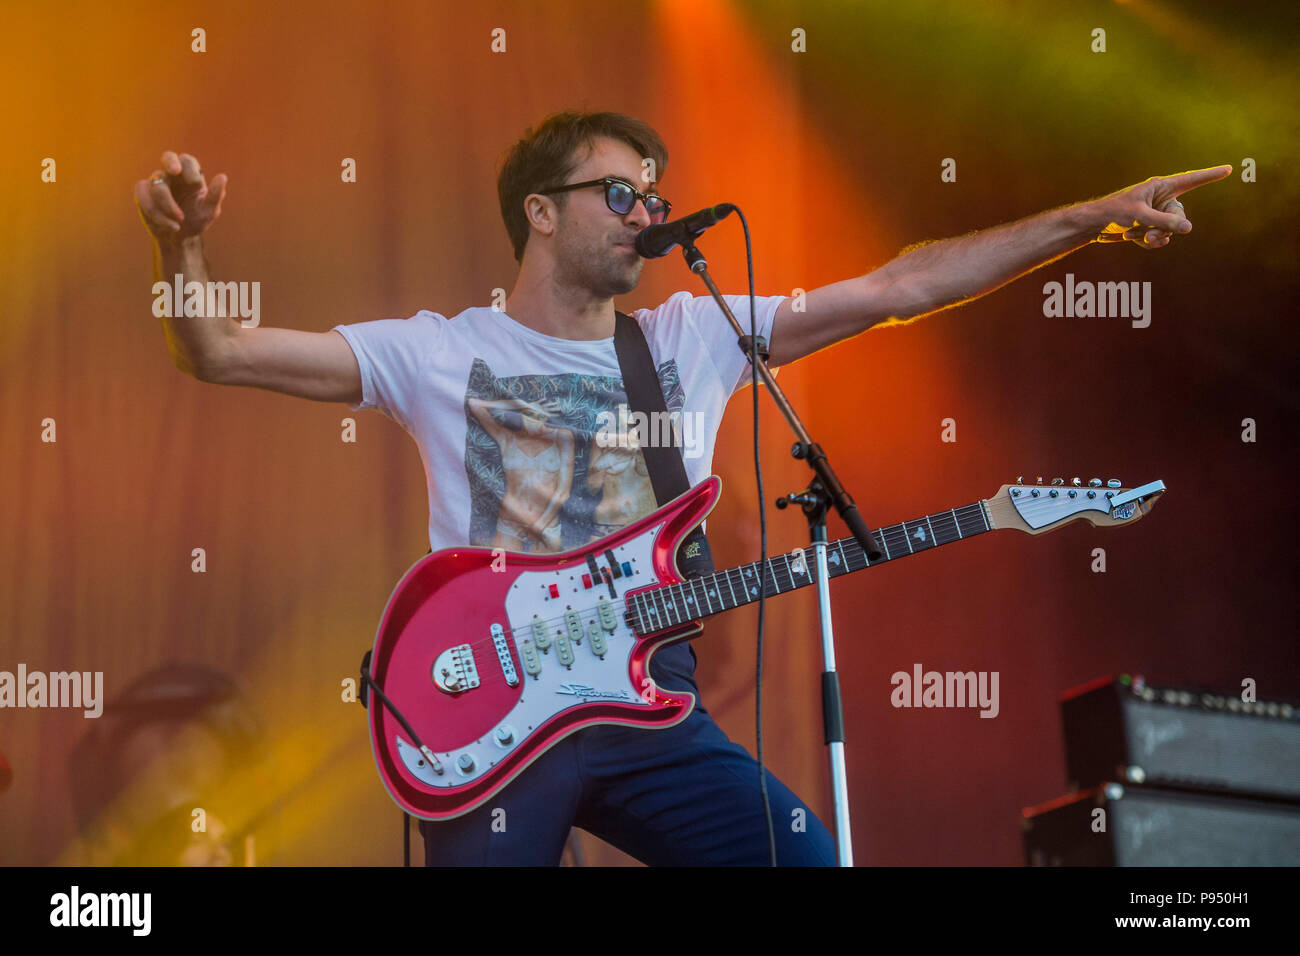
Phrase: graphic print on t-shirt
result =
(544, 474)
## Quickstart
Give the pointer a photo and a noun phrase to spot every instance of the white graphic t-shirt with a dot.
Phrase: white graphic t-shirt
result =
(521, 436)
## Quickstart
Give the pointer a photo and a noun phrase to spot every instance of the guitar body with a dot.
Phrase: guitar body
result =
(482, 663)
(492, 661)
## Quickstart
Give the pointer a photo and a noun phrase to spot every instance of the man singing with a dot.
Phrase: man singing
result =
(506, 407)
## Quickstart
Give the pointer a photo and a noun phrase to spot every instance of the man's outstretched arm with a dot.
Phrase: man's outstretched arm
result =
(938, 275)
(177, 205)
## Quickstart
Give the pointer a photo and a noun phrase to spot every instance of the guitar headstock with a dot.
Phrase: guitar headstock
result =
(1035, 508)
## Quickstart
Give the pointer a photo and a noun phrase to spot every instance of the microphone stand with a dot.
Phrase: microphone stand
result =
(823, 492)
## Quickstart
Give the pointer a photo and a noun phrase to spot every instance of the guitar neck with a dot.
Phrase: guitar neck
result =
(674, 604)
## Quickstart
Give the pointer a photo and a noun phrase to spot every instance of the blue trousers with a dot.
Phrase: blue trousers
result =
(684, 796)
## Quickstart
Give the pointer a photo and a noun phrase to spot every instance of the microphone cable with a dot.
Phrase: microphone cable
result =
(762, 530)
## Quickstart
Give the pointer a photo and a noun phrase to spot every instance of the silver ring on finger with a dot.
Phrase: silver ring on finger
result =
(157, 182)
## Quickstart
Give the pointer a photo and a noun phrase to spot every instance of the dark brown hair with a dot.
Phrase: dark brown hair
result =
(548, 153)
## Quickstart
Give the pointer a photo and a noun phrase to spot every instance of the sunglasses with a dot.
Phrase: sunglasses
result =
(621, 196)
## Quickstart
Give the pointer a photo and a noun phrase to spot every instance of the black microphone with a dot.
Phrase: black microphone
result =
(655, 241)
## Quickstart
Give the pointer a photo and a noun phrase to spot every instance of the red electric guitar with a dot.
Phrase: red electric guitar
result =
(485, 662)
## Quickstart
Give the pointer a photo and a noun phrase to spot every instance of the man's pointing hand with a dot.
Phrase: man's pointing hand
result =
(1150, 213)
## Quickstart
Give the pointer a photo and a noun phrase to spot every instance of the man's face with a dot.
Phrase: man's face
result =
(593, 245)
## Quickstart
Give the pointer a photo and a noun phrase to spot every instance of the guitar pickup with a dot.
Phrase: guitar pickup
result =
(503, 655)
(605, 611)
(574, 625)
(596, 639)
(532, 663)
(564, 650)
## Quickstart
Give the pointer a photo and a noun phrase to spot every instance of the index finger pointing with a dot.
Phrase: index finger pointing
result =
(1184, 182)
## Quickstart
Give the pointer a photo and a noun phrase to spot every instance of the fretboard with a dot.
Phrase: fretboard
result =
(672, 604)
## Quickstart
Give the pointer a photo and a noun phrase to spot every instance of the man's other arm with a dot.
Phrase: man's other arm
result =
(932, 276)
(315, 365)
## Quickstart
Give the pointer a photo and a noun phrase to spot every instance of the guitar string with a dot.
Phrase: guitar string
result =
(778, 588)
(497, 678)
(783, 578)
(894, 534)
(846, 542)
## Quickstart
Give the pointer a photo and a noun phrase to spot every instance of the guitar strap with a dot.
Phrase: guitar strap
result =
(667, 471)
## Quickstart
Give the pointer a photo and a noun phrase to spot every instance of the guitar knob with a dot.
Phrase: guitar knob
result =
(1076, 482)
(504, 735)
(1094, 482)
(1113, 483)
(465, 763)
(1058, 481)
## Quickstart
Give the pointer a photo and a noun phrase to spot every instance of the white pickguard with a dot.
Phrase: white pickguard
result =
(557, 687)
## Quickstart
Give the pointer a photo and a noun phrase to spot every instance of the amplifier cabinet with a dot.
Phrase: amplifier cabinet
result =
(1136, 733)
(1133, 825)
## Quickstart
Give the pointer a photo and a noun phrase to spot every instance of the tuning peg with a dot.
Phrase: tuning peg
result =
(1020, 479)
(1094, 482)
(1076, 482)
(1113, 483)
(1058, 481)
(1040, 479)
